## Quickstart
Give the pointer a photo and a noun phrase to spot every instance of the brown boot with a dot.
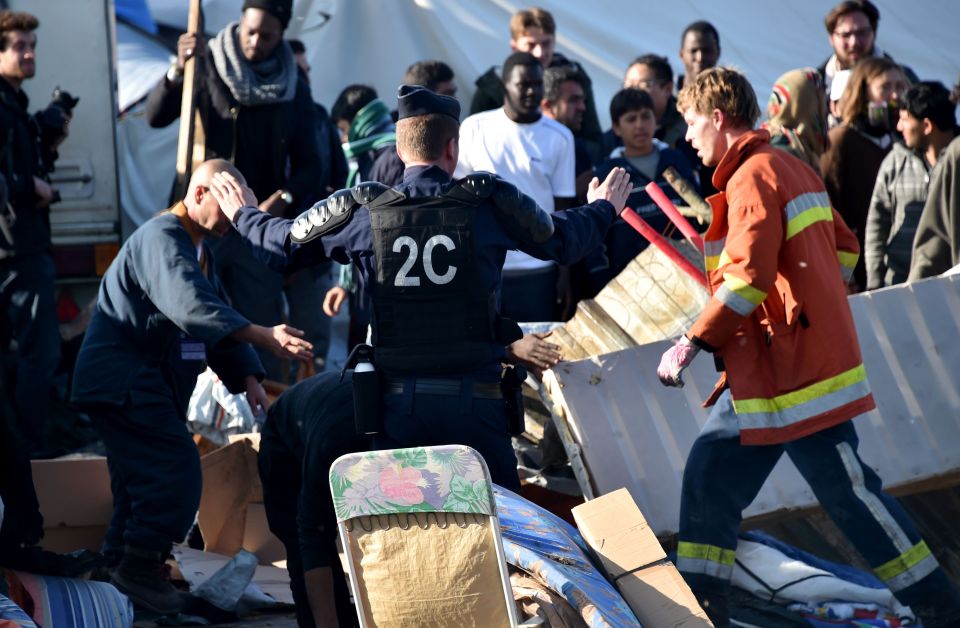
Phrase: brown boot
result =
(142, 578)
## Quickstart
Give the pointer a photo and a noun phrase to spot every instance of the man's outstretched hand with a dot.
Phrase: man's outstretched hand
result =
(615, 189)
(282, 341)
(534, 352)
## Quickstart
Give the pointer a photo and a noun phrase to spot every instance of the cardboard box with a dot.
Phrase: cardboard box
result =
(75, 500)
(231, 513)
(617, 532)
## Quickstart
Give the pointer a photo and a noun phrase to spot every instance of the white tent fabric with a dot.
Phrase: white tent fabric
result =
(141, 63)
(374, 41)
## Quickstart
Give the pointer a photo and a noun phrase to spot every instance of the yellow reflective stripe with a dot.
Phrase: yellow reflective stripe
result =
(902, 563)
(702, 551)
(717, 261)
(814, 391)
(847, 259)
(806, 218)
(742, 289)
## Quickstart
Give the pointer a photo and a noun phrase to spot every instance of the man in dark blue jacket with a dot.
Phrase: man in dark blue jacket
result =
(258, 114)
(161, 318)
(432, 251)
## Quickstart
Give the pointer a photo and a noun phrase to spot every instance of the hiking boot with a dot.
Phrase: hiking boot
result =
(34, 559)
(141, 576)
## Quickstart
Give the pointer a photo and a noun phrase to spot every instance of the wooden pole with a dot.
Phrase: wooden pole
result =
(700, 209)
(192, 139)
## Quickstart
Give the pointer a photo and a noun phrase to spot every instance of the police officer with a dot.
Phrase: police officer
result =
(308, 427)
(431, 251)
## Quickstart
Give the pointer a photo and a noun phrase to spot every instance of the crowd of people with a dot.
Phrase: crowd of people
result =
(443, 234)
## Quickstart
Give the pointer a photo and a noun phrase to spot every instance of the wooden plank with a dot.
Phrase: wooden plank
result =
(192, 139)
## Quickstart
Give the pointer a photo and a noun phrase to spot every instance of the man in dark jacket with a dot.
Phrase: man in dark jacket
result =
(534, 30)
(259, 115)
(161, 317)
(26, 269)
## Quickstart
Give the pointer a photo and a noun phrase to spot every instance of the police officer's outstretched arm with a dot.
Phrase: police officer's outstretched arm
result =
(577, 231)
(615, 189)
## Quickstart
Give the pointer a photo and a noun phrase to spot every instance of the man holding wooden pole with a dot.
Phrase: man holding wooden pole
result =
(257, 113)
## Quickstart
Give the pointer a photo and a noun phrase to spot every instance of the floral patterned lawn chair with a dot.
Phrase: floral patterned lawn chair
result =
(420, 533)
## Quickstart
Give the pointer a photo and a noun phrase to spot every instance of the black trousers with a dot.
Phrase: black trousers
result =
(154, 472)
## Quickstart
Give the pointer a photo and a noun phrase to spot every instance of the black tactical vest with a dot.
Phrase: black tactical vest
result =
(430, 311)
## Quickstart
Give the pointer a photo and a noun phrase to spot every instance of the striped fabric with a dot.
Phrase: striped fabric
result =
(708, 560)
(12, 615)
(70, 603)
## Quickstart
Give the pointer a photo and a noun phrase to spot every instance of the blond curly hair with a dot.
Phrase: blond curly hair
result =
(725, 89)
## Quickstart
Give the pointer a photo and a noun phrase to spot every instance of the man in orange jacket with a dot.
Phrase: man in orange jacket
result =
(778, 259)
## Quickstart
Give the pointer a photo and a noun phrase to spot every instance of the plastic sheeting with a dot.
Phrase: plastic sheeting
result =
(551, 549)
(142, 63)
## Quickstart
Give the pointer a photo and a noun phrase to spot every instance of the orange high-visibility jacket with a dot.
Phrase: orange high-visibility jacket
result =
(778, 257)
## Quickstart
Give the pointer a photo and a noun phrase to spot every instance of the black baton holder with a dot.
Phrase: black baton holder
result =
(511, 386)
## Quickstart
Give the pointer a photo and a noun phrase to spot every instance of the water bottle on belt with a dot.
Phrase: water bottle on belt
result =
(367, 401)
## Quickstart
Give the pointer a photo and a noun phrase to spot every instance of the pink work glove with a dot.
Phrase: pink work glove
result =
(674, 360)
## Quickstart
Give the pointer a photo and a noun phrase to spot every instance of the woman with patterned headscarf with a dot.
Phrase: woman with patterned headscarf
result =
(797, 112)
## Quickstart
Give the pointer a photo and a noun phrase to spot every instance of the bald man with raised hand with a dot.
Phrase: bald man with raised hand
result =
(161, 318)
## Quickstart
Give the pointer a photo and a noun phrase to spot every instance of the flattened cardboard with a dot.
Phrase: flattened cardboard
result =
(75, 501)
(632, 557)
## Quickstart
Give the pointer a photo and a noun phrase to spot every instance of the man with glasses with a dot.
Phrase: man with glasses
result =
(852, 30)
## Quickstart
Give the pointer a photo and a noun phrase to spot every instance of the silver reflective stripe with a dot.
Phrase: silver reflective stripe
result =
(805, 410)
(806, 201)
(913, 575)
(734, 301)
(705, 567)
(873, 503)
(714, 247)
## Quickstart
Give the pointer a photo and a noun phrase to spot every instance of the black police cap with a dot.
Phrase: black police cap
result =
(413, 100)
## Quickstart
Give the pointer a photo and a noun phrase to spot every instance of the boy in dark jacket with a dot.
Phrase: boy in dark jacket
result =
(645, 159)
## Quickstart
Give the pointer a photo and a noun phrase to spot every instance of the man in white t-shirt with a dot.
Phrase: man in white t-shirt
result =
(536, 154)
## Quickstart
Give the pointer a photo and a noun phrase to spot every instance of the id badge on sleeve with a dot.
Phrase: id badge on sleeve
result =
(191, 349)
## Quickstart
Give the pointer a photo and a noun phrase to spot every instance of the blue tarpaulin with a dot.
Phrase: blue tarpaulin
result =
(544, 545)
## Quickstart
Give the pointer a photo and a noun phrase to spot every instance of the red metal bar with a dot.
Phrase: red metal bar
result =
(670, 210)
(661, 243)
